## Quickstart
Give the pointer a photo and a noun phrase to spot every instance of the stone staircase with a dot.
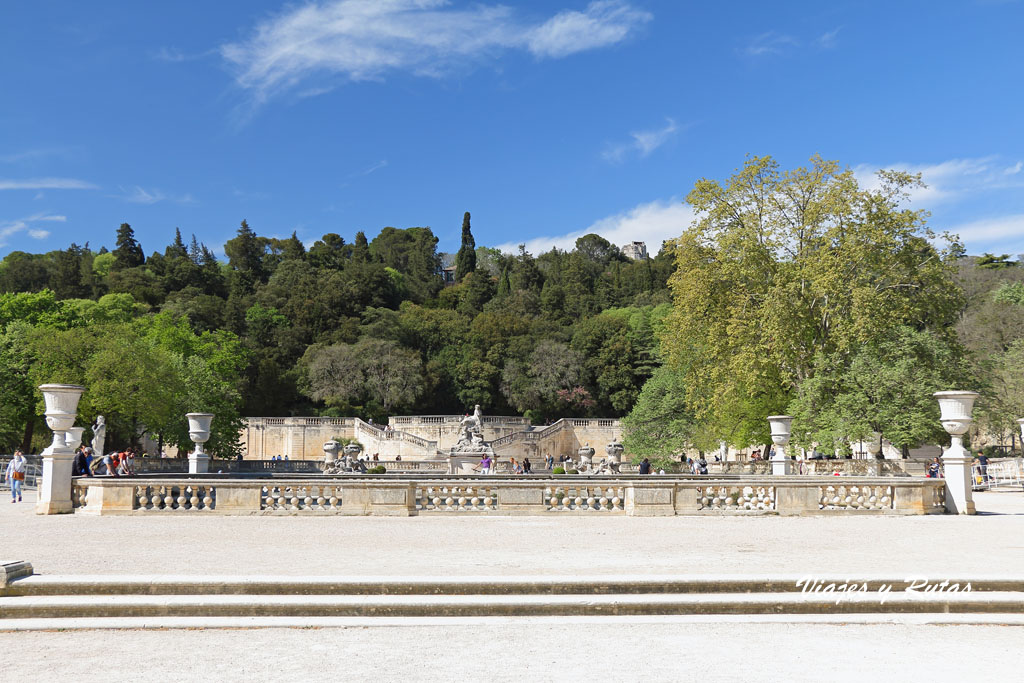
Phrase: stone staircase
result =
(63, 602)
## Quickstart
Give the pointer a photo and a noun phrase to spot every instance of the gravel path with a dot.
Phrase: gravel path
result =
(511, 652)
(473, 546)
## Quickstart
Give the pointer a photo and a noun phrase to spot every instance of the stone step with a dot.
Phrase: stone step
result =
(45, 585)
(59, 607)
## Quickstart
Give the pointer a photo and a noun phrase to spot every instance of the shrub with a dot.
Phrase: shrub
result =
(558, 470)
(574, 471)
(379, 469)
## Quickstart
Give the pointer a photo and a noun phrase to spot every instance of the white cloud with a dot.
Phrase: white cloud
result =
(946, 181)
(651, 223)
(827, 40)
(770, 43)
(376, 167)
(989, 231)
(643, 142)
(46, 184)
(140, 195)
(602, 23)
(366, 39)
(8, 228)
(1015, 169)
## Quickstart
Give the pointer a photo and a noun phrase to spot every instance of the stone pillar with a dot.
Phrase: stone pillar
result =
(61, 410)
(781, 426)
(199, 432)
(955, 408)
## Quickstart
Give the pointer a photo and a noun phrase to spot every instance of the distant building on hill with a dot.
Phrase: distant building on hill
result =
(635, 250)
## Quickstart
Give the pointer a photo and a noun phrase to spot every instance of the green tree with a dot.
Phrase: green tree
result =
(780, 267)
(465, 260)
(128, 253)
(660, 424)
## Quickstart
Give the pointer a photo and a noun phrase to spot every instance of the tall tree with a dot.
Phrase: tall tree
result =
(128, 253)
(465, 260)
(781, 269)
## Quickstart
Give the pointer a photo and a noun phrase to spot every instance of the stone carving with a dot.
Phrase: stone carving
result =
(471, 440)
(99, 435)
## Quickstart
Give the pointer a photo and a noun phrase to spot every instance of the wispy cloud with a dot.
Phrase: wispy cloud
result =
(770, 43)
(9, 228)
(949, 180)
(139, 195)
(47, 184)
(1015, 169)
(173, 55)
(642, 142)
(360, 40)
(828, 39)
(30, 155)
(652, 223)
(376, 167)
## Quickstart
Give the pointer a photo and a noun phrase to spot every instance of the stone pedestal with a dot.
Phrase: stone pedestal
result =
(61, 409)
(956, 408)
(781, 427)
(198, 463)
(55, 489)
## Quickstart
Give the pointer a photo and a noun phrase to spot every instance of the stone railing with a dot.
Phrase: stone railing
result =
(858, 468)
(455, 419)
(302, 421)
(410, 465)
(396, 435)
(180, 465)
(505, 495)
(535, 435)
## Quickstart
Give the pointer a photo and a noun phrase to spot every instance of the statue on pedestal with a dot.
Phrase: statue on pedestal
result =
(99, 435)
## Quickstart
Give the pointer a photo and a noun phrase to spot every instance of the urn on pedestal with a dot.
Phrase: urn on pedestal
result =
(614, 452)
(199, 432)
(586, 455)
(874, 445)
(61, 410)
(331, 451)
(781, 429)
(955, 408)
(73, 437)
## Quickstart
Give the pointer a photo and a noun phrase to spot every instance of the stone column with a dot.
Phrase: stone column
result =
(781, 426)
(955, 408)
(61, 410)
(199, 432)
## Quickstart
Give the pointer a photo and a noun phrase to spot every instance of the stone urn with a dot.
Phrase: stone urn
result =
(614, 452)
(61, 401)
(586, 455)
(874, 445)
(331, 451)
(955, 409)
(61, 411)
(199, 432)
(781, 430)
(353, 449)
(73, 437)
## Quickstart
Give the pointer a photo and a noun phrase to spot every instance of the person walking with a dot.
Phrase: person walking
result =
(16, 475)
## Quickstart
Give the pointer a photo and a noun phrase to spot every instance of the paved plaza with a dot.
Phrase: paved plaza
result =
(714, 648)
(989, 543)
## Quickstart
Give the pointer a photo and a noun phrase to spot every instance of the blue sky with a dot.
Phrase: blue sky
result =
(546, 120)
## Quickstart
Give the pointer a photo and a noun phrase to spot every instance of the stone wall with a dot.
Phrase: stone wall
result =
(420, 437)
(300, 438)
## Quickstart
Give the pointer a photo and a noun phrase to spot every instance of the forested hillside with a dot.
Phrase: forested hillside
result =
(350, 326)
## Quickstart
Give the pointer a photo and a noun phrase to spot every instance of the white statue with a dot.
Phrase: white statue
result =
(99, 435)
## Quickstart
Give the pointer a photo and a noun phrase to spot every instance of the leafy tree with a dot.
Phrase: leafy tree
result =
(660, 424)
(990, 261)
(782, 268)
(465, 260)
(245, 254)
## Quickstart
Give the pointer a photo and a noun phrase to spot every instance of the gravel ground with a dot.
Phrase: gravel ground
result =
(511, 652)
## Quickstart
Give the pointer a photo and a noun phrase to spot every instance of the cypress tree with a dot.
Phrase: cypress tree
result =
(465, 260)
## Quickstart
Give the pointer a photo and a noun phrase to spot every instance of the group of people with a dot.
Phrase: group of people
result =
(116, 464)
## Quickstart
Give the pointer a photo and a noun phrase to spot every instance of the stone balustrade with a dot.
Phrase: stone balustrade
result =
(507, 495)
(858, 468)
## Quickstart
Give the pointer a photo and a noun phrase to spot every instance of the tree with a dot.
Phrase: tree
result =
(886, 386)
(660, 424)
(245, 257)
(534, 385)
(465, 260)
(782, 268)
(128, 253)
